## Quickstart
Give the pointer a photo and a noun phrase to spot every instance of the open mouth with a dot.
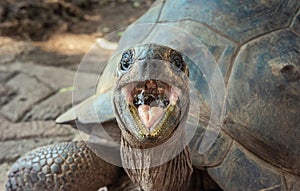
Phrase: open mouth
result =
(151, 101)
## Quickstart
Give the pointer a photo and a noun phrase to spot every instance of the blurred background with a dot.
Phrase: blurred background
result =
(41, 45)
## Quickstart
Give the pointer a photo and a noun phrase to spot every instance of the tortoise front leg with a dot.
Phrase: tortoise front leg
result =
(64, 166)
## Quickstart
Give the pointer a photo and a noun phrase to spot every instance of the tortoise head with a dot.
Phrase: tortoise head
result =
(151, 96)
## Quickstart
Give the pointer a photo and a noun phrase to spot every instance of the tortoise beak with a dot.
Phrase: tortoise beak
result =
(150, 102)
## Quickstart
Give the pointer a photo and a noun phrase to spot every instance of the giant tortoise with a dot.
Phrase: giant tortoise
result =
(213, 85)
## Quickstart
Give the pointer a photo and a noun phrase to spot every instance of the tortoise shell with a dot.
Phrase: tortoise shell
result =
(256, 47)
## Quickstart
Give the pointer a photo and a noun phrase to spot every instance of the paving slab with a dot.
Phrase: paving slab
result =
(3, 171)
(11, 49)
(29, 92)
(50, 108)
(4, 123)
(55, 77)
(34, 129)
(6, 93)
(5, 75)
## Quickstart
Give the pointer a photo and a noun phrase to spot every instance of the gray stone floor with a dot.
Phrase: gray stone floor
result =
(31, 97)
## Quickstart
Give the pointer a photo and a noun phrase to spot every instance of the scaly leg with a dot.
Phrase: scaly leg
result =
(68, 166)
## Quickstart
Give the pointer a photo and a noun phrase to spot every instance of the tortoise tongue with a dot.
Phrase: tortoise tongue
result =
(149, 115)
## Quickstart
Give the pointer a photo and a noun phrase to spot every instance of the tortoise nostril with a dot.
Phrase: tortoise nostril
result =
(287, 68)
(291, 73)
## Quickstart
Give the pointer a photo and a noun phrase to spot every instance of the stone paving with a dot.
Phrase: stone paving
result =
(31, 97)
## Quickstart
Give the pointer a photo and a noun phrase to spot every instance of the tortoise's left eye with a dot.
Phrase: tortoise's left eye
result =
(126, 60)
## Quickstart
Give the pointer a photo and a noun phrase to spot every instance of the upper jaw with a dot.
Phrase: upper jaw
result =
(151, 92)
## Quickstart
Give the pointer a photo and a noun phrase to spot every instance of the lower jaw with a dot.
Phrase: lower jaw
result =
(164, 129)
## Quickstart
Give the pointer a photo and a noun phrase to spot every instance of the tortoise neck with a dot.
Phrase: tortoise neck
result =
(140, 165)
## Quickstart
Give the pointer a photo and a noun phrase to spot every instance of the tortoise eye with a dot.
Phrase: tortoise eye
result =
(177, 61)
(126, 60)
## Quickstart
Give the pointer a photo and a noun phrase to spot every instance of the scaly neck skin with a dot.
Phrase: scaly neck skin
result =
(172, 175)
